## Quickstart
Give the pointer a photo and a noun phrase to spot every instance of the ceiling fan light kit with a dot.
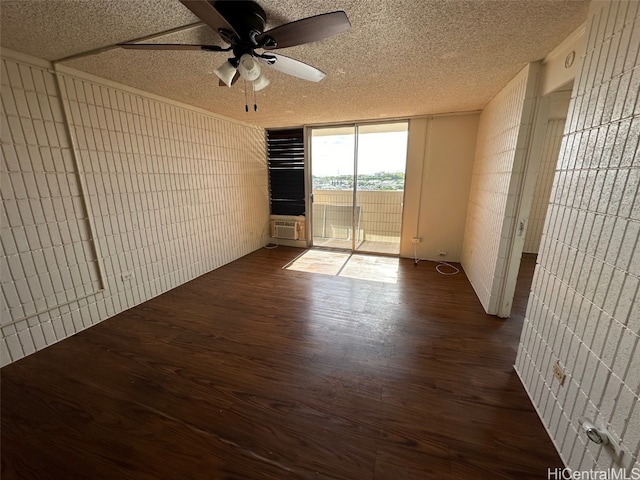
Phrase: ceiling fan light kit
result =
(241, 24)
(260, 83)
(226, 72)
(248, 68)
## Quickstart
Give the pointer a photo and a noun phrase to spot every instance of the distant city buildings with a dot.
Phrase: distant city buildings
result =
(376, 181)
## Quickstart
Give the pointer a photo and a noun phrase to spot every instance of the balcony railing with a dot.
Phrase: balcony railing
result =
(378, 219)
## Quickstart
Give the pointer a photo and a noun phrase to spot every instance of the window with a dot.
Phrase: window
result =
(285, 153)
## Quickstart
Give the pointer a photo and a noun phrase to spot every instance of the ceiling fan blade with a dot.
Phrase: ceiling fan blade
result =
(306, 30)
(170, 46)
(294, 68)
(206, 12)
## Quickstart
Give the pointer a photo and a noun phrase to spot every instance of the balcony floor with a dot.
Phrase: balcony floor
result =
(386, 248)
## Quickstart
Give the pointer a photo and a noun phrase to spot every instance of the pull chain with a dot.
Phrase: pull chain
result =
(246, 103)
(255, 105)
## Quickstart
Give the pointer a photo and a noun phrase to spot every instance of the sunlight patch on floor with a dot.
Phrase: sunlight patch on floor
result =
(369, 267)
(362, 267)
(317, 261)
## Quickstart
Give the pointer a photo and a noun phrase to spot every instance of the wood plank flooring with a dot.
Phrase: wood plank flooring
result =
(255, 372)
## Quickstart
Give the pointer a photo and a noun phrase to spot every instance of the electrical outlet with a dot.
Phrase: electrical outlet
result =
(442, 253)
(558, 373)
(126, 276)
(416, 240)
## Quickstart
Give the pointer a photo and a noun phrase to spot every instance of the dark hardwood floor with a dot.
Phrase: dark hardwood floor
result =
(255, 372)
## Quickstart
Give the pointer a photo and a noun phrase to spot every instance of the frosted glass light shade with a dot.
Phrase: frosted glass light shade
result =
(226, 72)
(260, 83)
(248, 68)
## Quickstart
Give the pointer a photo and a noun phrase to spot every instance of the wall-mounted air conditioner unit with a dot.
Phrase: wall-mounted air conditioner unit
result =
(287, 229)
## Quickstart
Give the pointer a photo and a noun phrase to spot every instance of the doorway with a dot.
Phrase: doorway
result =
(548, 135)
(357, 178)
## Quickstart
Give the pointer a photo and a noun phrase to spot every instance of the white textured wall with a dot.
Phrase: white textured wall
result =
(503, 134)
(439, 165)
(170, 193)
(584, 308)
(544, 181)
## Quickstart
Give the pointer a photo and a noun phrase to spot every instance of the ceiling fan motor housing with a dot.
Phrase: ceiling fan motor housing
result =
(246, 17)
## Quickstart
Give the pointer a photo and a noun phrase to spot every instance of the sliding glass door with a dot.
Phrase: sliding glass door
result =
(358, 186)
(332, 174)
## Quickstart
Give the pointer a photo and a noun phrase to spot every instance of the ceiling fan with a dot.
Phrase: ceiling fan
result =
(241, 24)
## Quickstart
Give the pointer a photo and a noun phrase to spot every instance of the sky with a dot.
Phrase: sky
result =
(378, 152)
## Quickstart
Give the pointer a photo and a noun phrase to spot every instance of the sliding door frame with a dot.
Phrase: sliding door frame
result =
(309, 174)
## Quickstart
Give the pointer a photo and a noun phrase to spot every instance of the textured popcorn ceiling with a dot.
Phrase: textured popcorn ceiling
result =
(401, 57)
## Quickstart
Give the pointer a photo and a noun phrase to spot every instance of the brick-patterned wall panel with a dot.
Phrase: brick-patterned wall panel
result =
(505, 125)
(584, 308)
(157, 195)
(48, 257)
